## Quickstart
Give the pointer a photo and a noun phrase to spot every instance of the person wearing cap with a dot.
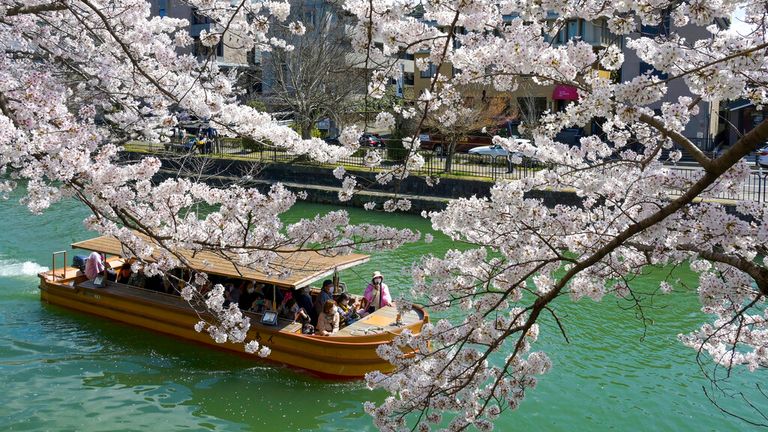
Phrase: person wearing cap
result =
(325, 294)
(376, 294)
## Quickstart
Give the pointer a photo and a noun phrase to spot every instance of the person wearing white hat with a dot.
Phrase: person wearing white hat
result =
(376, 294)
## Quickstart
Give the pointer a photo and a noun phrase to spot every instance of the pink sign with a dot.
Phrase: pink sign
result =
(564, 92)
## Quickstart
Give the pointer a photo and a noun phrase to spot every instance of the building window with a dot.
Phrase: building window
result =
(197, 47)
(402, 54)
(254, 57)
(200, 50)
(162, 6)
(408, 78)
(605, 33)
(660, 29)
(429, 72)
(309, 18)
(572, 28)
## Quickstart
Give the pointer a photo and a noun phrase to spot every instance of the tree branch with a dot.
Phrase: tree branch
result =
(24, 10)
(684, 142)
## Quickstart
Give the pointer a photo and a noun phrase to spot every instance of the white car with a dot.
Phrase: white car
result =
(762, 156)
(496, 149)
(491, 150)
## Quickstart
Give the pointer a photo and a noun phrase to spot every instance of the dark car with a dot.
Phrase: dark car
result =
(369, 139)
(570, 136)
(332, 140)
(435, 142)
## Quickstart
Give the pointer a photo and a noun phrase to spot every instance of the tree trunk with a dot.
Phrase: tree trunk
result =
(449, 155)
(306, 131)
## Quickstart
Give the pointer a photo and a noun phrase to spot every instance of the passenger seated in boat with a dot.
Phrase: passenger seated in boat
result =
(231, 294)
(259, 302)
(290, 310)
(325, 294)
(137, 279)
(206, 288)
(304, 300)
(124, 273)
(328, 321)
(376, 294)
(154, 283)
(94, 267)
(248, 294)
(169, 287)
(348, 313)
(272, 293)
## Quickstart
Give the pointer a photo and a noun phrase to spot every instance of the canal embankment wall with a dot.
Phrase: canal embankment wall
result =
(322, 187)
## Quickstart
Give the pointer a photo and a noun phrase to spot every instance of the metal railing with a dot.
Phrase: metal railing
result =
(63, 267)
(462, 164)
(754, 188)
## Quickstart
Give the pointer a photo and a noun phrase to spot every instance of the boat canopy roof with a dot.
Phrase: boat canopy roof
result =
(298, 268)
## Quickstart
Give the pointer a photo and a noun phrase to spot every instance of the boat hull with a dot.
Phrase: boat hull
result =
(335, 357)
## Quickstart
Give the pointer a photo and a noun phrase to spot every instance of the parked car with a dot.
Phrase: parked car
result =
(436, 142)
(762, 156)
(491, 150)
(432, 140)
(495, 149)
(332, 140)
(369, 139)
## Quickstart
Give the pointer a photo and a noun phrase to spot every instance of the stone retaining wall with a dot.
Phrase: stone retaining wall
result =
(322, 187)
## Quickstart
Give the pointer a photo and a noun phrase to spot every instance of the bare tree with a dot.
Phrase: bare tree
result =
(456, 122)
(318, 78)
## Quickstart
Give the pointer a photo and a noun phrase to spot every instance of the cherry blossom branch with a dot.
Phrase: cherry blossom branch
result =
(684, 142)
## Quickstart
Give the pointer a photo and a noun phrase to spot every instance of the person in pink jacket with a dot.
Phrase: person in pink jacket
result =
(94, 266)
(376, 294)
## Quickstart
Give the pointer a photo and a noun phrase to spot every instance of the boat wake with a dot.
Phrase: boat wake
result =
(11, 268)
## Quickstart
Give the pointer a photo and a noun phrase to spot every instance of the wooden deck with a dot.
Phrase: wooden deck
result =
(383, 320)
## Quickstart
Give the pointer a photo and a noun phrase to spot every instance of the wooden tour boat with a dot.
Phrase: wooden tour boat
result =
(349, 353)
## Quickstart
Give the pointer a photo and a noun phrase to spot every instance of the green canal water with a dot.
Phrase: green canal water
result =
(63, 371)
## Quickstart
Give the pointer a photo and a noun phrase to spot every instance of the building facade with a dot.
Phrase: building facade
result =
(227, 54)
(704, 126)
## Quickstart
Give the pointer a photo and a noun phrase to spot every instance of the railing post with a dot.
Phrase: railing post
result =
(53, 264)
